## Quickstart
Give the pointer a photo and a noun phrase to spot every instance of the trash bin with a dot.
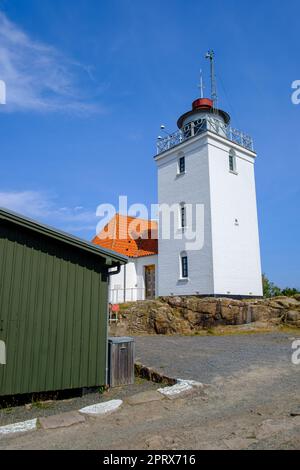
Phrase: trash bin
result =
(121, 352)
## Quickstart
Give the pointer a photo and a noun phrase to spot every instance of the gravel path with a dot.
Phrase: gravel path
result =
(252, 400)
(40, 409)
(211, 357)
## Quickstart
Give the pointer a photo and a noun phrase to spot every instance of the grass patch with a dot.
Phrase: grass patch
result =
(102, 389)
(7, 411)
(211, 331)
(125, 306)
(289, 329)
(254, 331)
(234, 330)
(199, 333)
(42, 405)
(140, 380)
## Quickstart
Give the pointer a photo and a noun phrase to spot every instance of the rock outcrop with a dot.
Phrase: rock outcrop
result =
(188, 315)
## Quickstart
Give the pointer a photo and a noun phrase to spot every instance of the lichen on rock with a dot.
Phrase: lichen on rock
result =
(189, 315)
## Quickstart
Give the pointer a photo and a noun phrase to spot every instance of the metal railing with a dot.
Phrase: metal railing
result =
(200, 126)
(120, 296)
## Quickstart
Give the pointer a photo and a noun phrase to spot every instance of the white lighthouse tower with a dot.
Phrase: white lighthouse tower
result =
(208, 164)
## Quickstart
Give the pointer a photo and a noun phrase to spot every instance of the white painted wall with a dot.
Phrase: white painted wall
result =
(127, 278)
(236, 251)
(134, 281)
(229, 262)
(192, 187)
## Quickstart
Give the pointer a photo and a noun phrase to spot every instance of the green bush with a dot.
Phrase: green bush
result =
(271, 290)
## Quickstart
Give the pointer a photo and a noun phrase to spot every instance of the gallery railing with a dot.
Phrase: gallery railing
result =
(200, 126)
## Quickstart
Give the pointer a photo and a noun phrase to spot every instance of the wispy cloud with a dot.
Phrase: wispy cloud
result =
(38, 77)
(44, 207)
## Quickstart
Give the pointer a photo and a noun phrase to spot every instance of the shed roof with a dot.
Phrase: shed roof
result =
(50, 232)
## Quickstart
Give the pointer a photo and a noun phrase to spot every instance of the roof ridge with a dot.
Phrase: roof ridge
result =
(136, 218)
(58, 234)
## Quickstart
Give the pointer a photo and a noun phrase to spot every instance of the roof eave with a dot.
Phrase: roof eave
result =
(59, 235)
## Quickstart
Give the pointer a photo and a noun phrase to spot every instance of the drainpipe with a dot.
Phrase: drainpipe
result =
(124, 297)
(109, 273)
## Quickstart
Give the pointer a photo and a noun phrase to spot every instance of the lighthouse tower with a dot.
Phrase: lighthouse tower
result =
(209, 165)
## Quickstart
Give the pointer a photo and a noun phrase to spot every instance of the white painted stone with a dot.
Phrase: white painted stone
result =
(193, 383)
(24, 426)
(177, 389)
(102, 408)
(182, 386)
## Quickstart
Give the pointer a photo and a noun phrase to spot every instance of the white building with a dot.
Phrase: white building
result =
(137, 239)
(210, 166)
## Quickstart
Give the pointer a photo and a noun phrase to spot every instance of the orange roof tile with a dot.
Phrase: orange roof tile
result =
(129, 236)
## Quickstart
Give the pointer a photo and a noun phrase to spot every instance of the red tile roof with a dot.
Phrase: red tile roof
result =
(129, 236)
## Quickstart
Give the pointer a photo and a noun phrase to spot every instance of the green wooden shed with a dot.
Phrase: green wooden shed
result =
(53, 308)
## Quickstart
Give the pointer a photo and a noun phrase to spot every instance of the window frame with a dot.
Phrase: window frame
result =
(184, 266)
(182, 216)
(232, 162)
(181, 168)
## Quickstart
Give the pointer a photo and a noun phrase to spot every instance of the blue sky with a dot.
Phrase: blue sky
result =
(89, 82)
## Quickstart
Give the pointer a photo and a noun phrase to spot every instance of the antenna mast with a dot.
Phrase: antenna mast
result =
(201, 85)
(214, 96)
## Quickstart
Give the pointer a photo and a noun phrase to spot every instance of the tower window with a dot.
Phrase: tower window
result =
(184, 266)
(232, 161)
(182, 216)
(181, 165)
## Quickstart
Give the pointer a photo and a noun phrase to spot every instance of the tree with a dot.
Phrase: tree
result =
(271, 290)
(290, 292)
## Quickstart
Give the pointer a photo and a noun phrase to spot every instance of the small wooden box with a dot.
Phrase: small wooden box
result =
(121, 353)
